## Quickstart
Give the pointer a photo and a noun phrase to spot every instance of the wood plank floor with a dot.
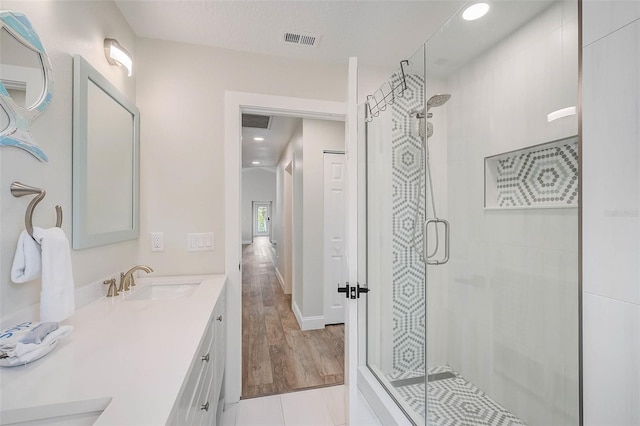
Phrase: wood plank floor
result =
(277, 357)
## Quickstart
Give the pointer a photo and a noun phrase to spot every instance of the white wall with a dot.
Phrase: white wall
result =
(318, 136)
(181, 99)
(611, 202)
(297, 218)
(284, 221)
(513, 274)
(258, 184)
(65, 28)
(305, 152)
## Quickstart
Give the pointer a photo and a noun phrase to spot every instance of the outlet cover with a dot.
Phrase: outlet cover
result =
(157, 241)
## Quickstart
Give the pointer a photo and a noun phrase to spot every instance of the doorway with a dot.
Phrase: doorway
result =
(277, 356)
(286, 357)
(262, 219)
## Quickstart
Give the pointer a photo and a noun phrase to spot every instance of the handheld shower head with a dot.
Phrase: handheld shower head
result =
(437, 100)
(425, 129)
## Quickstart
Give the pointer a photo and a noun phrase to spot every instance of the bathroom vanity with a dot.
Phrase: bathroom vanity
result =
(154, 355)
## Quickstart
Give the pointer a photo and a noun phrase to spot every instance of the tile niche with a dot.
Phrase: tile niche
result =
(540, 176)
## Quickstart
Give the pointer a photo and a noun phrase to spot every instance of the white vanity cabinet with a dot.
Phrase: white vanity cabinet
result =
(198, 401)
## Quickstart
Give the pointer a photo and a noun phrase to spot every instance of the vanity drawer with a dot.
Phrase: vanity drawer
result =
(196, 379)
(203, 406)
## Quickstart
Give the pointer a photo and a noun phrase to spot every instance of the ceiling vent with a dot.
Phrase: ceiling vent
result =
(301, 38)
(256, 121)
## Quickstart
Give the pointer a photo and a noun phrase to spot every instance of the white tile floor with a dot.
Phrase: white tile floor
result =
(316, 407)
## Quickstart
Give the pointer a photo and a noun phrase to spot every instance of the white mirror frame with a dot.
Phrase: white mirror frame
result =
(17, 132)
(83, 73)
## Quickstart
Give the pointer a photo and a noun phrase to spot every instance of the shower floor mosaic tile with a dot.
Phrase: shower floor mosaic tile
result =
(455, 402)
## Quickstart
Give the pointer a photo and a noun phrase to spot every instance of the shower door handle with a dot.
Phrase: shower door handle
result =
(425, 240)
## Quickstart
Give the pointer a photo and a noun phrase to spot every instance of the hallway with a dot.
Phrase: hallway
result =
(277, 357)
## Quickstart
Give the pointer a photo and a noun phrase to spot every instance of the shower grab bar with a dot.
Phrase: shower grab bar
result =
(373, 109)
(20, 190)
(425, 241)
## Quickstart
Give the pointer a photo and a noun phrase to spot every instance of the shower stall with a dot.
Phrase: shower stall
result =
(472, 222)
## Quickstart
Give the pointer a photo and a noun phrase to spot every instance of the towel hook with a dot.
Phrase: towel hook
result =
(20, 190)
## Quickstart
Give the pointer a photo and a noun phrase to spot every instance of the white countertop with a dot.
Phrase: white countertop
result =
(137, 353)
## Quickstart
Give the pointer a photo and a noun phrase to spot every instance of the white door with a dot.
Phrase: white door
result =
(335, 262)
(261, 219)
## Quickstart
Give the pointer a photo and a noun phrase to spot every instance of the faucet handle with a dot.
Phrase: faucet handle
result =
(121, 287)
(113, 291)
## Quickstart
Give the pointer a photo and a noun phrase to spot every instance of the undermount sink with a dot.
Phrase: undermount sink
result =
(163, 291)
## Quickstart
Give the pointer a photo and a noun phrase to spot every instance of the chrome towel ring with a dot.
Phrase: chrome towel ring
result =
(20, 190)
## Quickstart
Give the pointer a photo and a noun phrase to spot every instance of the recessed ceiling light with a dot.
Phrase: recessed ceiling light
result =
(475, 11)
(257, 138)
(255, 162)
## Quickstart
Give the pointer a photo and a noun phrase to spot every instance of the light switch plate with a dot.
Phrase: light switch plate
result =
(202, 241)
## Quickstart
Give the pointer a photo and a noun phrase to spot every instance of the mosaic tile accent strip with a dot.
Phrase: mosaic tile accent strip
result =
(545, 176)
(456, 401)
(408, 268)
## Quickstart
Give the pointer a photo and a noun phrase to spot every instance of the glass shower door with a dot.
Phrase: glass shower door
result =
(396, 339)
(465, 131)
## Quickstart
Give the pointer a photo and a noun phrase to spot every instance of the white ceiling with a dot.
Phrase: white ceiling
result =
(379, 33)
(276, 137)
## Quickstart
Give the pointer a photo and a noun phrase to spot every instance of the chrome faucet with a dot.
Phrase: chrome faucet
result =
(126, 278)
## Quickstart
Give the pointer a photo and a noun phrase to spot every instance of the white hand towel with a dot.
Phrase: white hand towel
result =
(57, 299)
(26, 262)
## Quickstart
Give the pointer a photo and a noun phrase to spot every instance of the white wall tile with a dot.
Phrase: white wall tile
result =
(611, 361)
(513, 275)
(601, 17)
(611, 189)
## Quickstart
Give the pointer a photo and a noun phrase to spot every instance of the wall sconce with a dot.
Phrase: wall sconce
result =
(117, 55)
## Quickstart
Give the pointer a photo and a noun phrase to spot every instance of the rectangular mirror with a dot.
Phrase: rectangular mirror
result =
(106, 133)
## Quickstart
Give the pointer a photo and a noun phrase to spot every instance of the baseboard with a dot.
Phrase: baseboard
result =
(307, 323)
(247, 242)
(280, 279)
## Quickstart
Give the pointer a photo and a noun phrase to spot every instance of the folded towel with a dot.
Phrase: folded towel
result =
(26, 332)
(57, 298)
(23, 353)
(26, 262)
(39, 332)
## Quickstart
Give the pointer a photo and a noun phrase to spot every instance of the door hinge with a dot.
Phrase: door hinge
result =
(352, 292)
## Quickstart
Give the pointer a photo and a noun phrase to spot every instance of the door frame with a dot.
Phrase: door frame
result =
(237, 103)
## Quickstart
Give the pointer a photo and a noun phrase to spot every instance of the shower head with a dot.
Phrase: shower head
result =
(425, 129)
(437, 100)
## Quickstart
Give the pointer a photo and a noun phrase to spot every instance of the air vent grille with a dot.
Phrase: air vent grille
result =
(300, 38)
(256, 121)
